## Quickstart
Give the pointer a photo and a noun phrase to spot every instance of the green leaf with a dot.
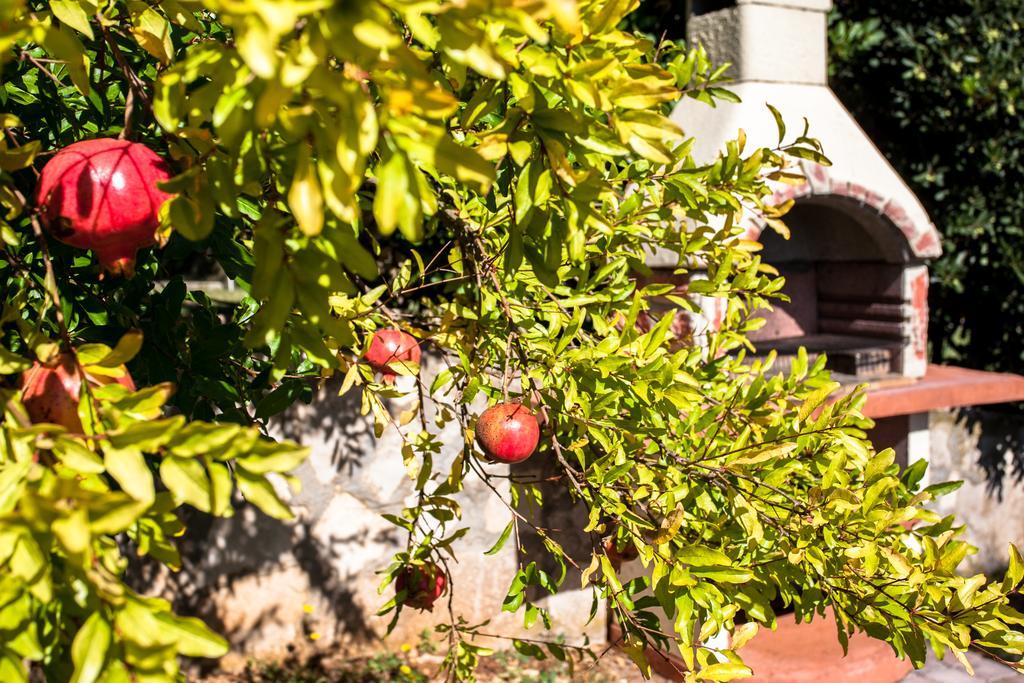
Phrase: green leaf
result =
(305, 198)
(197, 438)
(282, 457)
(809, 154)
(392, 191)
(465, 164)
(187, 216)
(914, 474)
(351, 253)
(815, 399)
(89, 649)
(11, 363)
(77, 456)
(114, 513)
(128, 468)
(66, 47)
(780, 123)
(701, 556)
(763, 453)
(192, 637)
(943, 489)
(723, 574)
(72, 531)
(725, 671)
(127, 348)
(72, 13)
(181, 16)
(220, 489)
(17, 158)
(187, 481)
(669, 527)
(257, 490)
(146, 403)
(636, 652)
(500, 543)
(151, 30)
(147, 436)
(12, 670)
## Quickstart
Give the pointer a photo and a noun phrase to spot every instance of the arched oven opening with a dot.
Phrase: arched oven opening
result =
(852, 280)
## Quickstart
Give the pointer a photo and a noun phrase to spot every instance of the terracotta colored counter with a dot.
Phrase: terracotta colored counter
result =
(811, 653)
(800, 653)
(943, 386)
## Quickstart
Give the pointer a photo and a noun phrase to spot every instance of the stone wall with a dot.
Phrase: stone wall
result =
(267, 585)
(983, 448)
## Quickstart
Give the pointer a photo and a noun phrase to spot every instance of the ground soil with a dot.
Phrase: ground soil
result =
(611, 666)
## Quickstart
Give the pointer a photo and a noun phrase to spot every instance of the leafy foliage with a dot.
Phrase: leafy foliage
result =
(938, 86)
(490, 177)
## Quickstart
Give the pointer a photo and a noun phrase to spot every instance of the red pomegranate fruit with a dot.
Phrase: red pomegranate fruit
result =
(391, 346)
(51, 391)
(620, 550)
(508, 432)
(102, 195)
(422, 585)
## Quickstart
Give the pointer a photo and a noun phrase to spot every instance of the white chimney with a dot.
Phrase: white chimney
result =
(768, 40)
(779, 53)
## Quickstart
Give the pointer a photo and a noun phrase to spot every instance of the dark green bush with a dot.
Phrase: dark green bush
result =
(938, 86)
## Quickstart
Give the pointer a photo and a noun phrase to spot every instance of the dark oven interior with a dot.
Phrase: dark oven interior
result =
(844, 271)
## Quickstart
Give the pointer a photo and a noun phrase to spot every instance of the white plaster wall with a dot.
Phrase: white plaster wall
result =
(982, 448)
(267, 584)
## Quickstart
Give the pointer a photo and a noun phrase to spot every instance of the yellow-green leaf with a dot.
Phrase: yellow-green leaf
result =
(89, 649)
(152, 31)
(305, 198)
(192, 637)
(65, 46)
(12, 362)
(127, 347)
(260, 492)
(392, 189)
(128, 468)
(71, 13)
(114, 513)
(17, 158)
(75, 455)
(187, 481)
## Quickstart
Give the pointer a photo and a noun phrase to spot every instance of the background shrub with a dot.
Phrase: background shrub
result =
(937, 85)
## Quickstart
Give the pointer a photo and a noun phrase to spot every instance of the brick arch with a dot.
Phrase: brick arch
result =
(921, 235)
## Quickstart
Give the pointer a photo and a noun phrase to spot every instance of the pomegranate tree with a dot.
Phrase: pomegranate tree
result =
(422, 585)
(52, 391)
(508, 432)
(102, 195)
(389, 347)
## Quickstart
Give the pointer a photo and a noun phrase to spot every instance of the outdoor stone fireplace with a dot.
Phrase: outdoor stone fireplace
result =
(856, 265)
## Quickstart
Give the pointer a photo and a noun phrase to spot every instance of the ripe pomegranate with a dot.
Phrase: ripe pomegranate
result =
(51, 391)
(391, 346)
(102, 195)
(508, 432)
(422, 584)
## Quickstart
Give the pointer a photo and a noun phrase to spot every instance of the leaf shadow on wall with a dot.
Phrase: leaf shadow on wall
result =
(225, 556)
(1000, 445)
